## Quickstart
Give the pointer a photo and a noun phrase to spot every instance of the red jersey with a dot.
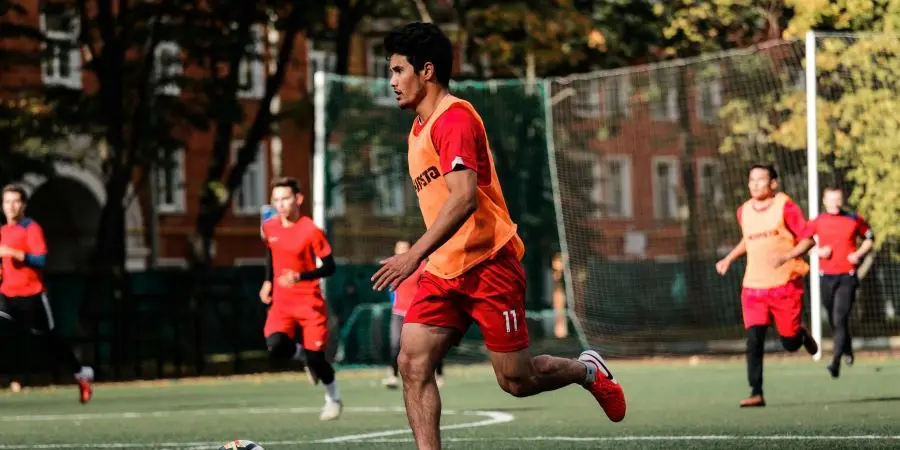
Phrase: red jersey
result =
(295, 247)
(404, 294)
(838, 231)
(23, 278)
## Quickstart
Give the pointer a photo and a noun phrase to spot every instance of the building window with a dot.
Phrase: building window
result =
(252, 72)
(589, 103)
(665, 185)
(711, 194)
(387, 169)
(167, 67)
(169, 177)
(611, 193)
(617, 91)
(252, 194)
(336, 198)
(318, 60)
(663, 95)
(380, 68)
(709, 93)
(61, 55)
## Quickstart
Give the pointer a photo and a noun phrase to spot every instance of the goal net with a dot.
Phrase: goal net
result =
(370, 203)
(650, 164)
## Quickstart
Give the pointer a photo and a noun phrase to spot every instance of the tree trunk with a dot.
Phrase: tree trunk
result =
(693, 255)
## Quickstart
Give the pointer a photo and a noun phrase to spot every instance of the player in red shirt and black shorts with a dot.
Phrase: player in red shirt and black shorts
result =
(294, 243)
(23, 299)
(838, 231)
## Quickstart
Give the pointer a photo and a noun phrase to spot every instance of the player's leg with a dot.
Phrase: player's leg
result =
(315, 337)
(39, 320)
(787, 308)
(279, 332)
(844, 296)
(391, 381)
(496, 301)
(755, 310)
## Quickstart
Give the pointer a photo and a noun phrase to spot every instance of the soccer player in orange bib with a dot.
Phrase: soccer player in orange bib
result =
(771, 225)
(473, 252)
(294, 242)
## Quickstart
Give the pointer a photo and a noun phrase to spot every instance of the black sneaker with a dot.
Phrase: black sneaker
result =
(834, 370)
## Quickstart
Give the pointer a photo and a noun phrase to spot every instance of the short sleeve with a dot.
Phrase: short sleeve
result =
(35, 240)
(461, 142)
(863, 229)
(811, 229)
(793, 219)
(320, 244)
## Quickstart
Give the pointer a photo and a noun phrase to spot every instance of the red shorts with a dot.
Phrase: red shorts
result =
(784, 303)
(310, 313)
(492, 294)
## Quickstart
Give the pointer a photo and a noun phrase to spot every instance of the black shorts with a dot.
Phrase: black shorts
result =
(32, 312)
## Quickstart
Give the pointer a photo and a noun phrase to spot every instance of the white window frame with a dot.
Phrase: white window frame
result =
(663, 82)
(709, 81)
(380, 68)
(318, 59)
(166, 65)
(387, 182)
(258, 168)
(337, 198)
(625, 166)
(616, 94)
(672, 197)
(589, 105)
(178, 191)
(73, 81)
(718, 193)
(255, 65)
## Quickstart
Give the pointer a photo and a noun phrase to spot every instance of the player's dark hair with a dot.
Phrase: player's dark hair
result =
(421, 43)
(287, 182)
(773, 174)
(18, 190)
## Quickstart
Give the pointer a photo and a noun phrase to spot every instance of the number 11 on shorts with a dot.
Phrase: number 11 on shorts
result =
(515, 322)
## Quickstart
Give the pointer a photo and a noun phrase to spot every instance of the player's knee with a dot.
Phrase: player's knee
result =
(281, 347)
(515, 386)
(792, 343)
(413, 367)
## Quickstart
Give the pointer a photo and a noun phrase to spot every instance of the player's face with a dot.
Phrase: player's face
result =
(833, 201)
(285, 201)
(409, 86)
(13, 206)
(761, 184)
(401, 247)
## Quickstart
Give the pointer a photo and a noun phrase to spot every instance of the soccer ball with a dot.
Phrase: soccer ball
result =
(241, 445)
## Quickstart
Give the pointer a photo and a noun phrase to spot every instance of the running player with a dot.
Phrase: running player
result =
(400, 300)
(771, 224)
(838, 231)
(473, 271)
(294, 242)
(23, 298)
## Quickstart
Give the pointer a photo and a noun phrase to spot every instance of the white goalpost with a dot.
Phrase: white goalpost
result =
(812, 171)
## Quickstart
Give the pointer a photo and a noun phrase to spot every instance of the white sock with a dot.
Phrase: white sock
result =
(591, 373)
(331, 392)
(86, 373)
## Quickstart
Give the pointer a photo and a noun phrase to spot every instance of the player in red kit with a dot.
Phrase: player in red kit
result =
(292, 288)
(23, 299)
(838, 231)
(474, 271)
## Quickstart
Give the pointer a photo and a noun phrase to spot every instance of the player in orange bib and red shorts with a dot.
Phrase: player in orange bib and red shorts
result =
(23, 298)
(292, 288)
(473, 252)
(838, 231)
(771, 224)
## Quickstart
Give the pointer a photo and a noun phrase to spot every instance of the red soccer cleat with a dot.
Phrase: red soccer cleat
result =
(605, 388)
(84, 378)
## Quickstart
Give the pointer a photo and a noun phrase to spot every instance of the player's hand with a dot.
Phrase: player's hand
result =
(825, 252)
(779, 260)
(7, 251)
(394, 270)
(853, 258)
(287, 278)
(265, 293)
(722, 266)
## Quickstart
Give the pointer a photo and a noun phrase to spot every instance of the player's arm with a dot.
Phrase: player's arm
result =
(265, 292)
(36, 254)
(460, 205)
(322, 250)
(863, 230)
(801, 229)
(739, 250)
